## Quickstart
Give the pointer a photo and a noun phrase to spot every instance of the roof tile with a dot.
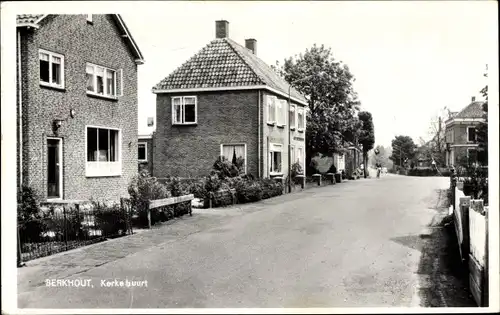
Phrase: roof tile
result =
(27, 18)
(224, 63)
(473, 110)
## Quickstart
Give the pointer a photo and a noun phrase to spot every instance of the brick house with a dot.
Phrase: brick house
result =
(460, 133)
(225, 101)
(77, 106)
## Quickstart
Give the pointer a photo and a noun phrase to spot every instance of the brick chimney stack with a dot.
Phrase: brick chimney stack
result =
(473, 99)
(221, 29)
(251, 44)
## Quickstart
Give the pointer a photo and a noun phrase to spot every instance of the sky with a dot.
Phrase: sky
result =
(410, 59)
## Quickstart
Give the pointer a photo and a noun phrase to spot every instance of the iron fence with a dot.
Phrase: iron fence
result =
(64, 227)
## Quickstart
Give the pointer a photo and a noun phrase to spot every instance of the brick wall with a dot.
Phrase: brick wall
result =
(223, 118)
(79, 42)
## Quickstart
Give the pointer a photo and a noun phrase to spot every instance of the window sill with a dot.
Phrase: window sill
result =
(271, 123)
(276, 174)
(185, 124)
(292, 128)
(52, 87)
(143, 161)
(300, 129)
(281, 126)
(111, 98)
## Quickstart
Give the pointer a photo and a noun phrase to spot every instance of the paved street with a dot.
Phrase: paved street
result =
(368, 242)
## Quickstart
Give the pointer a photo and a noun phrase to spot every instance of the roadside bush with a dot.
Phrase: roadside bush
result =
(224, 168)
(427, 171)
(66, 224)
(142, 189)
(112, 220)
(332, 169)
(248, 191)
(270, 188)
(28, 215)
(296, 170)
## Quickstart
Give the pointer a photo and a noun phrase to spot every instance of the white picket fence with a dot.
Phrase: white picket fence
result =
(471, 226)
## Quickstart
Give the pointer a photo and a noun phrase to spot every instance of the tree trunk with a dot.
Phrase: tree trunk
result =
(365, 160)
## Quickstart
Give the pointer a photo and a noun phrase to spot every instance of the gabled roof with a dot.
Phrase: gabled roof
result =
(473, 110)
(33, 20)
(223, 64)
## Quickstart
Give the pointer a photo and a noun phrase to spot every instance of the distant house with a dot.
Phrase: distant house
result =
(226, 101)
(461, 138)
(145, 148)
(77, 105)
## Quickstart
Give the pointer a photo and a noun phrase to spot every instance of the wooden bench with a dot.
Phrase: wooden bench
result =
(301, 179)
(169, 202)
(331, 177)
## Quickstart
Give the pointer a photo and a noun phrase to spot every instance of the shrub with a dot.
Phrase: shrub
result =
(312, 168)
(332, 169)
(427, 171)
(142, 189)
(296, 169)
(112, 220)
(66, 224)
(270, 188)
(224, 168)
(248, 191)
(28, 215)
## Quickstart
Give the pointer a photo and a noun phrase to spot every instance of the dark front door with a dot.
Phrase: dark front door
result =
(54, 168)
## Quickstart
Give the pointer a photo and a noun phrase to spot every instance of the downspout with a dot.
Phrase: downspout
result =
(259, 141)
(20, 114)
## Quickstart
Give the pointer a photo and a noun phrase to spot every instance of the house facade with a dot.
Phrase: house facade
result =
(460, 134)
(145, 148)
(225, 101)
(77, 106)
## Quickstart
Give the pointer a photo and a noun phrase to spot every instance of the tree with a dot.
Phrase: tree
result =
(332, 100)
(367, 135)
(382, 158)
(437, 145)
(403, 149)
(482, 130)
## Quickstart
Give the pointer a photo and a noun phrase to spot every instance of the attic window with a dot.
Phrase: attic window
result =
(89, 18)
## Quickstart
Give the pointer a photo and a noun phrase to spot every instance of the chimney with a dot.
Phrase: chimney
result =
(221, 29)
(473, 99)
(251, 44)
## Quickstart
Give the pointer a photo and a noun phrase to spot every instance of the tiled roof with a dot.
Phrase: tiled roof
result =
(224, 63)
(473, 110)
(28, 18)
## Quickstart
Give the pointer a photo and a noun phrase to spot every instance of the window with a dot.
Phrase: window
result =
(103, 152)
(280, 112)
(184, 110)
(471, 134)
(292, 154)
(51, 69)
(300, 119)
(142, 151)
(300, 156)
(101, 80)
(291, 117)
(234, 151)
(275, 159)
(271, 109)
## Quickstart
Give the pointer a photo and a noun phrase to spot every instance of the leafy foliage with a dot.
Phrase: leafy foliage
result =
(225, 168)
(296, 170)
(328, 85)
(403, 149)
(366, 136)
(482, 131)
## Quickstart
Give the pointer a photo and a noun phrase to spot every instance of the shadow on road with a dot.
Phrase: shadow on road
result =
(442, 276)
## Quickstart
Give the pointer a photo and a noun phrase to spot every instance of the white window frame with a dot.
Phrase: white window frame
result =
(105, 85)
(301, 156)
(100, 168)
(301, 110)
(145, 151)
(280, 106)
(245, 149)
(183, 117)
(89, 18)
(51, 54)
(271, 101)
(293, 111)
(293, 152)
(275, 147)
(471, 127)
(61, 169)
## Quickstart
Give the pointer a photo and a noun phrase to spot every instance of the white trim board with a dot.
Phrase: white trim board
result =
(229, 88)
